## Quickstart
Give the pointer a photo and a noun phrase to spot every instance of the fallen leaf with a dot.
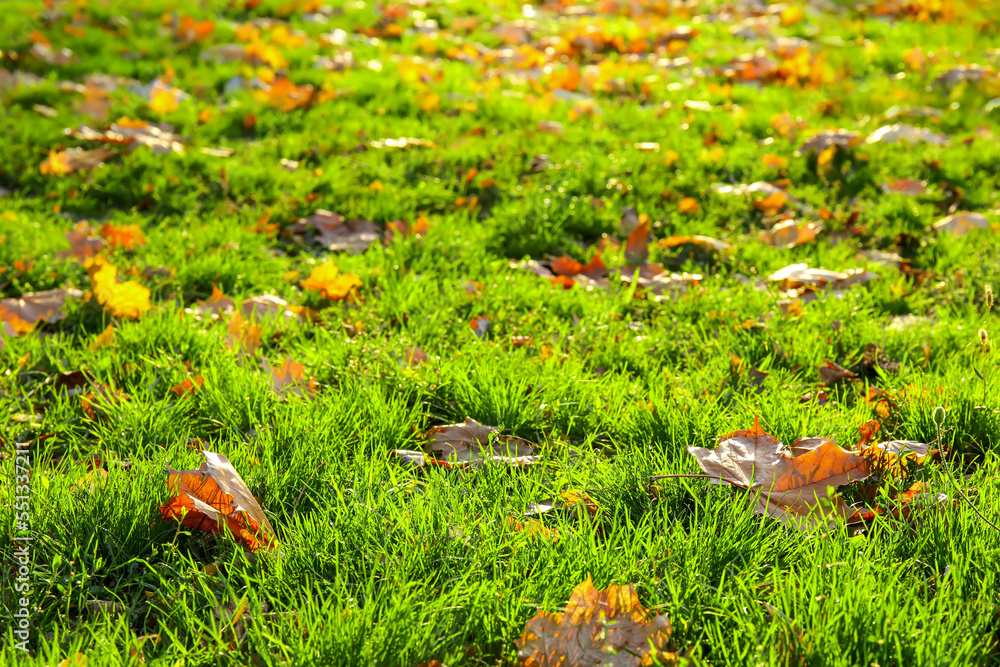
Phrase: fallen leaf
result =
(124, 236)
(128, 299)
(471, 442)
(414, 356)
(23, 312)
(215, 306)
(905, 186)
(338, 234)
(791, 483)
(289, 378)
(790, 233)
(191, 385)
(267, 306)
(60, 163)
(707, 242)
(215, 499)
(330, 283)
(821, 141)
(962, 223)
(637, 245)
(597, 629)
(83, 246)
(104, 339)
(830, 373)
(902, 133)
(243, 337)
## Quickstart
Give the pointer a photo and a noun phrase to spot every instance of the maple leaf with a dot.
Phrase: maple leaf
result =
(330, 283)
(792, 482)
(60, 163)
(125, 236)
(23, 312)
(338, 234)
(961, 223)
(163, 99)
(191, 385)
(906, 186)
(215, 499)
(830, 373)
(289, 378)
(597, 629)
(129, 299)
(242, 336)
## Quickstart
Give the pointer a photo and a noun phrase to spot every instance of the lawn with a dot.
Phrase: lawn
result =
(621, 233)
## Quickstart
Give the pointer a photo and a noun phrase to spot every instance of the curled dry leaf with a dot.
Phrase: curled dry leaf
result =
(962, 223)
(659, 284)
(268, 306)
(706, 242)
(470, 442)
(830, 373)
(82, 244)
(903, 133)
(22, 313)
(792, 483)
(338, 234)
(215, 499)
(795, 276)
(60, 163)
(790, 233)
(827, 138)
(160, 137)
(597, 629)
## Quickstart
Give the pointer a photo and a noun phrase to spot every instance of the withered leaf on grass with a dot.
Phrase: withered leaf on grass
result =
(60, 163)
(338, 234)
(903, 133)
(330, 282)
(792, 483)
(962, 223)
(827, 138)
(128, 299)
(215, 306)
(830, 373)
(289, 378)
(83, 245)
(160, 137)
(214, 498)
(23, 312)
(597, 629)
(469, 443)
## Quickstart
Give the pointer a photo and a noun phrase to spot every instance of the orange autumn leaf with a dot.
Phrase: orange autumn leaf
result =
(791, 482)
(243, 337)
(688, 205)
(771, 160)
(637, 245)
(772, 203)
(128, 299)
(191, 385)
(60, 163)
(163, 99)
(125, 236)
(330, 283)
(215, 499)
(289, 378)
(598, 628)
(23, 312)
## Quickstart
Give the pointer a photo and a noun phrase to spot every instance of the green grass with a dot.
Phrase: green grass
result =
(380, 564)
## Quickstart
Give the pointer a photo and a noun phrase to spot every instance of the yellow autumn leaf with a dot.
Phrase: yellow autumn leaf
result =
(163, 100)
(129, 299)
(329, 282)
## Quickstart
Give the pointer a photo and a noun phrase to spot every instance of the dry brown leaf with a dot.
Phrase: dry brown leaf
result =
(215, 306)
(606, 628)
(267, 306)
(637, 245)
(338, 234)
(792, 482)
(830, 373)
(23, 312)
(83, 245)
(905, 186)
(903, 133)
(290, 378)
(828, 138)
(706, 242)
(160, 137)
(469, 442)
(962, 223)
(214, 498)
(60, 163)
(659, 284)
(790, 233)
(243, 337)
